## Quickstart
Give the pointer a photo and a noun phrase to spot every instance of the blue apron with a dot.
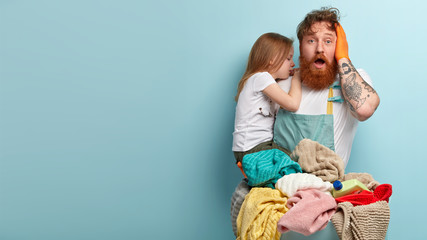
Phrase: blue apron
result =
(291, 128)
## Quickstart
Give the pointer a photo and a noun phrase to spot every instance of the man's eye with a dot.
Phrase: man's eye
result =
(311, 41)
(328, 41)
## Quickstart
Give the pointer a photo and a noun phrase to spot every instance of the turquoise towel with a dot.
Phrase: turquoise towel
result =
(264, 168)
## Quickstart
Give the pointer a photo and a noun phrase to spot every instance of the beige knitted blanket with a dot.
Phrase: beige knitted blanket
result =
(319, 160)
(364, 222)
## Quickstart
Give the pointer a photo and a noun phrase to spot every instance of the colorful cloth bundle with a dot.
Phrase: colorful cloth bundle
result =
(290, 184)
(309, 211)
(362, 222)
(259, 214)
(319, 160)
(236, 202)
(264, 212)
(381, 193)
(264, 168)
(364, 178)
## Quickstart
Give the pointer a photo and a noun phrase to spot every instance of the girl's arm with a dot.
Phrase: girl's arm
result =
(287, 101)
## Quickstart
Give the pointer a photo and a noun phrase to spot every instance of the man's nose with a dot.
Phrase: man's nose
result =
(319, 48)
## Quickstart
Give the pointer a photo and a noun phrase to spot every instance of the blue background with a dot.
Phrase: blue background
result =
(116, 116)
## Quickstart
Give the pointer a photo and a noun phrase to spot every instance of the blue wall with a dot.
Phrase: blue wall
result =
(116, 116)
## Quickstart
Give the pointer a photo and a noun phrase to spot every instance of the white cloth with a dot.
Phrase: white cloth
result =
(314, 102)
(255, 114)
(292, 183)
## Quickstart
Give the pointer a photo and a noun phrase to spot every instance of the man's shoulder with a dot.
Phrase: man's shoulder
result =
(364, 75)
(361, 70)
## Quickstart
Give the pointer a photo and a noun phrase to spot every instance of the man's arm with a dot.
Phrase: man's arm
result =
(361, 98)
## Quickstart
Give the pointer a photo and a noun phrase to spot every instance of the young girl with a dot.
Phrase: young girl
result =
(259, 96)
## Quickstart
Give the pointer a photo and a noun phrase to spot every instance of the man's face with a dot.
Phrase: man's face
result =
(321, 40)
(317, 59)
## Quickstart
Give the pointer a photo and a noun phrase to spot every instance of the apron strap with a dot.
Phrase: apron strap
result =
(336, 85)
(331, 98)
(329, 108)
(335, 99)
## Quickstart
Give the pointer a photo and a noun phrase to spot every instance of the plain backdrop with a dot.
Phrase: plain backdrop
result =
(116, 117)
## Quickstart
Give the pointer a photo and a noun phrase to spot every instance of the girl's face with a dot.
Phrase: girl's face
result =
(285, 69)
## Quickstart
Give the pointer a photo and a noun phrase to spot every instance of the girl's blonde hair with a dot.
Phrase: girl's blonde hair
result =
(269, 48)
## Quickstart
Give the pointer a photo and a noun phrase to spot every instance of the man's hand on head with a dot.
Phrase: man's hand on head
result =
(361, 98)
(341, 49)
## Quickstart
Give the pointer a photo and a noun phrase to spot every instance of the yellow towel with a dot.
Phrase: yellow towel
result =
(259, 214)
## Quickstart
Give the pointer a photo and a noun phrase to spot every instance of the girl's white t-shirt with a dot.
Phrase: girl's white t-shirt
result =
(255, 114)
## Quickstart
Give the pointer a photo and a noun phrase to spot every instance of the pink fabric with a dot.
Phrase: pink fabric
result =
(310, 210)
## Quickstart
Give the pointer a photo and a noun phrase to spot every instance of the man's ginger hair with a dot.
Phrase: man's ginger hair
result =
(327, 14)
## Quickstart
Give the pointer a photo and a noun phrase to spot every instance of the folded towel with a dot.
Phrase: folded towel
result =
(319, 160)
(264, 168)
(290, 184)
(364, 178)
(381, 193)
(236, 202)
(310, 211)
(362, 222)
(259, 214)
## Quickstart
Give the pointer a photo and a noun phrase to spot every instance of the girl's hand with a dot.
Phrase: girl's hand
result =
(296, 76)
(293, 71)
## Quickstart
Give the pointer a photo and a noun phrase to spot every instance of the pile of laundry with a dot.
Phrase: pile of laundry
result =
(293, 193)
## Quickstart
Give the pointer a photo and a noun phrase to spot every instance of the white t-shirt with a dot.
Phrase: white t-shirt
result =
(314, 102)
(255, 114)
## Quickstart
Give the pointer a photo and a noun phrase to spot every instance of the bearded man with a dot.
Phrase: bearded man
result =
(335, 96)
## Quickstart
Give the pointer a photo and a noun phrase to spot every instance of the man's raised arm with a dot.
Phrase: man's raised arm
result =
(361, 98)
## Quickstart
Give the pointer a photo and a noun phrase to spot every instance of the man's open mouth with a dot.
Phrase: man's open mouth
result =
(319, 63)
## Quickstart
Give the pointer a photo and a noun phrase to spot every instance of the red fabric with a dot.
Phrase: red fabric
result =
(381, 193)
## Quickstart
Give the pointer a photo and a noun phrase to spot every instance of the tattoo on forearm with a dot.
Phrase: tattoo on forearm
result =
(351, 106)
(353, 92)
(369, 88)
(346, 68)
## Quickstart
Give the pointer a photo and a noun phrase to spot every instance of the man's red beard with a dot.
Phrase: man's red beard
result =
(317, 78)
